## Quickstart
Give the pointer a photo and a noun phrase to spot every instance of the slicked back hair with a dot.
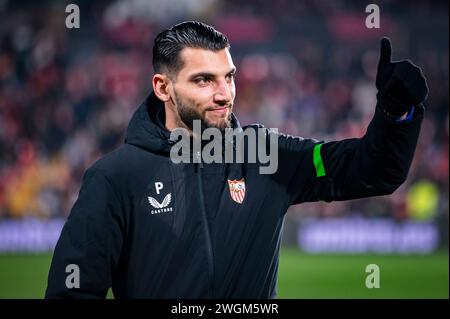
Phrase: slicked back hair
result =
(190, 34)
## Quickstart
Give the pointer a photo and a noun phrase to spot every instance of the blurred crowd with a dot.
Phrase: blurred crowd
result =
(305, 67)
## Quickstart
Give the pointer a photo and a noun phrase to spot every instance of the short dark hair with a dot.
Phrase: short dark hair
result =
(169, 43)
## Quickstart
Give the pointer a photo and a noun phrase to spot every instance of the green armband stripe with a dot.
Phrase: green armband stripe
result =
(317, 158)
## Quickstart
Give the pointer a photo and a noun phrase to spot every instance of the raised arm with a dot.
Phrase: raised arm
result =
(376, 164)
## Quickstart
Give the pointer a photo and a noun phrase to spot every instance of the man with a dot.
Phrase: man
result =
(152, 228)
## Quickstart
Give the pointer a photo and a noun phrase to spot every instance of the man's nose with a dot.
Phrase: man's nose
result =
(223, 93)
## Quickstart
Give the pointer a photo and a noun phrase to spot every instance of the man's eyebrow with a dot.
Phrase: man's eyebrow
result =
(208, 74)
(202, 74)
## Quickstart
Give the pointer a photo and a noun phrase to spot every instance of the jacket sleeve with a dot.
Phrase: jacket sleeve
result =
(376, 164)
(91, 239)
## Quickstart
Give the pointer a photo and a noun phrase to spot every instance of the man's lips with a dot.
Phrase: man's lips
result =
(219, 110)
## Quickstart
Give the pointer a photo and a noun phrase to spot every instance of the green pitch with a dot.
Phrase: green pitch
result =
(344, 276)
(300, 276)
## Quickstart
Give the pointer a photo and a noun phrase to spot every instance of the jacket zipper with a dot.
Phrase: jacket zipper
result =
(209, 249)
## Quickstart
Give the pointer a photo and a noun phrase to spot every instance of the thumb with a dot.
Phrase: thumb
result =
(385, 51)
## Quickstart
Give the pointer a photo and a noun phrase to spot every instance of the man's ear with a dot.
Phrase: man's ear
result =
(161, 84)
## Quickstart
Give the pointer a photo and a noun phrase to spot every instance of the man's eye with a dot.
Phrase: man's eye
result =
(201, 80)
(231, 76)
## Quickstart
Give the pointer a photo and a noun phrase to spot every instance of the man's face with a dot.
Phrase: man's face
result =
(204, 87)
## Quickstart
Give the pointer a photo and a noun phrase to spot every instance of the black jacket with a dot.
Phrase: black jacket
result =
(186, 237)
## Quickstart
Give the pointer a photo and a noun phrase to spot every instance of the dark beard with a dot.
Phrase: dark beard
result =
(189, 113)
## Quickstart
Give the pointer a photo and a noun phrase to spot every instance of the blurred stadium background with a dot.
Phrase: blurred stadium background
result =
(305, 67)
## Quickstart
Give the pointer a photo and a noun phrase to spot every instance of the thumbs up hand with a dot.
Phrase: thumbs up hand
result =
(401, 85)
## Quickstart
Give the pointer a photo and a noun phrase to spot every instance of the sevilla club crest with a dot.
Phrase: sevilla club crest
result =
(237, 190)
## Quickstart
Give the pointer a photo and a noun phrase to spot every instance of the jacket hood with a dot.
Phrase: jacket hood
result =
(147, 130)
